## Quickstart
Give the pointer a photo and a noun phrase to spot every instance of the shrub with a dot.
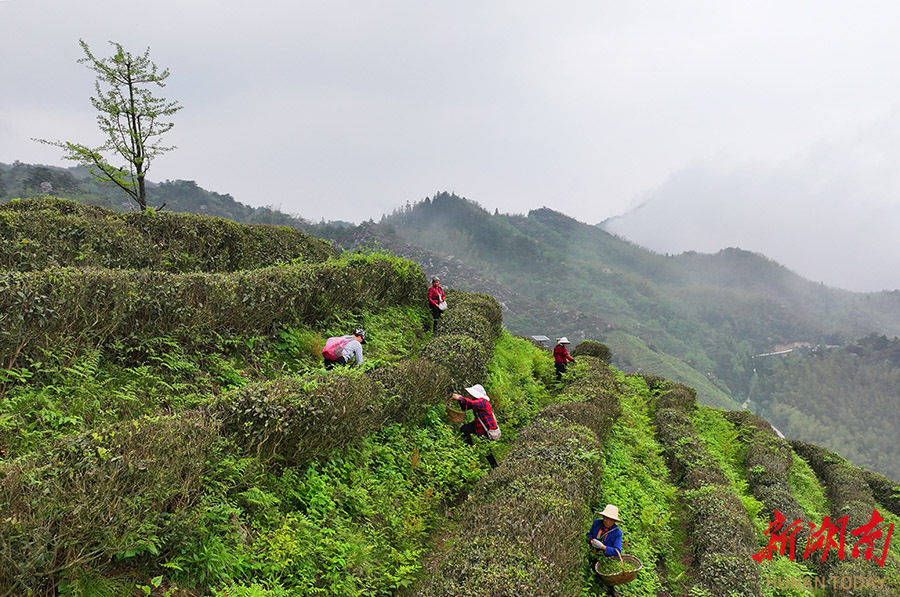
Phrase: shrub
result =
(91, 307)
(594, 349)
(118, 493)
(42, 233)
(477, 303)
(518, 522)
(679, 397)
(885, 491)
(294, 421)
(462, 356)
(593, 377)
(410, 388)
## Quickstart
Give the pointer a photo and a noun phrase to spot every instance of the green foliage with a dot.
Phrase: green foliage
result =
(129, 115)
(594, 349)
(93, 307)
(830, 396)
(850, 495)
(807, 489)
(721, 531)
(635, 479)
(518, 522)
(121, 476)
(464, 358)
(50, 232)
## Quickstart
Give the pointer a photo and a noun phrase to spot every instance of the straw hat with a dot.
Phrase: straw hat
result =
(564, 340)
(477, 391)
(611, 512)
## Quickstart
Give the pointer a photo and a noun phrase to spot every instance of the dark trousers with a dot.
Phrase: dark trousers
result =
(435, 314)
(467, 431)
(339, 361)
(560, 369)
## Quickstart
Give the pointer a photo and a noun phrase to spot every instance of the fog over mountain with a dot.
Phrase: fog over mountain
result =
(829, 213)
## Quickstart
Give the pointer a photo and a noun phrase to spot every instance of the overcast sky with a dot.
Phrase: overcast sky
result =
(347, 110)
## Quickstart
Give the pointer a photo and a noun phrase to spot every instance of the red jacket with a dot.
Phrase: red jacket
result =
(561, 355)
(435, 295)
(483, 412)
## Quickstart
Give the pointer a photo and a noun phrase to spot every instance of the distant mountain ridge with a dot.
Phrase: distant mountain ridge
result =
(697, 319)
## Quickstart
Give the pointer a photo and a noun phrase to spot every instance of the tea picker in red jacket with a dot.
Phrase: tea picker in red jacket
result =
(484, 423)
(437, 301)
(561, 357)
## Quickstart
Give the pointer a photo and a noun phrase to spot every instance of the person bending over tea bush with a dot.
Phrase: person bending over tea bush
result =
(605, 538)
(343, 350)
(484, 422)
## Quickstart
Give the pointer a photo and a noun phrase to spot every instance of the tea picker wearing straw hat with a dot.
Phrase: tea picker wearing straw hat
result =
(484, 423)
(605, 537)
(561, 357)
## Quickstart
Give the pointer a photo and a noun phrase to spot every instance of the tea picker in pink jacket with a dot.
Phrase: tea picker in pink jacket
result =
(344, 350)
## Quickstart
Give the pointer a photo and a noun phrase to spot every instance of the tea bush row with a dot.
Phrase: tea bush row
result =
(293, 421)
(594, 349)
(721, 532)
(88, 307)
(885, 491)
(850, 496)
(37, 234)
(517, 531)
(126, 493)
(133, 493)
(768, 462)
(464, 338)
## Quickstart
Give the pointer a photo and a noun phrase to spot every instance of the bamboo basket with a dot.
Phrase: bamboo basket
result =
(454, 414)
(623, 576)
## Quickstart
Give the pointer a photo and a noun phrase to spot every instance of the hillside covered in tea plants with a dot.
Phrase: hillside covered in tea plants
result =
(166, 428)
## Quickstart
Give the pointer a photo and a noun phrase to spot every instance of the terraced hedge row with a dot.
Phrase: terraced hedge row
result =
(133, 488)
(516, 530)
(293, 421)
(43, 233)
(88, 307)
(850, 496)
(137, 487)
(885, 491)
(722, 534)
(768, 463)
(464, 339)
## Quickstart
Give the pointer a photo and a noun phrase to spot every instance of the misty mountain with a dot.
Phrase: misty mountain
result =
(832, 224)
(699, 319)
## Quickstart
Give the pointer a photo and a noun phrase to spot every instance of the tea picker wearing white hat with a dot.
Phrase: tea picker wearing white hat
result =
(484, 423)
(606, 537)
(561, 357)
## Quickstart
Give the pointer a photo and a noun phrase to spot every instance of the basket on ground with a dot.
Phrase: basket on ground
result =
(454, 413)
(630, 567)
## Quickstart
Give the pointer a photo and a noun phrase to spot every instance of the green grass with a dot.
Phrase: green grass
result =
(721, 439)
(635, 478)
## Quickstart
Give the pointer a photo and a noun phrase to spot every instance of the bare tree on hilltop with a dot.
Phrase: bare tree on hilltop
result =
(130, 115)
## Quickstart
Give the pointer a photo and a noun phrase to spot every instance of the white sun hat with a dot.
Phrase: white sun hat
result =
(611, 512)
(477, 391)
(564, 340)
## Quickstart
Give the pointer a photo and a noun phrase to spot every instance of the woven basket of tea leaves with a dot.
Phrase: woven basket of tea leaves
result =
(454, 413)
(618, 572)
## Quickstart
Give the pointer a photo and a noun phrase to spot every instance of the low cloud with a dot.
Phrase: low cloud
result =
(829, 214)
